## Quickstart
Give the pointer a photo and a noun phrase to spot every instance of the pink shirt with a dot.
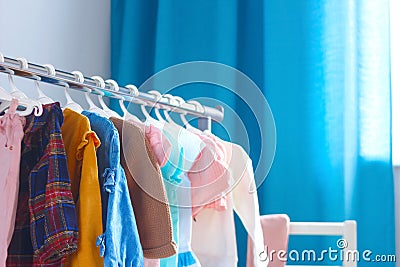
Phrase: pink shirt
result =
(11, 134)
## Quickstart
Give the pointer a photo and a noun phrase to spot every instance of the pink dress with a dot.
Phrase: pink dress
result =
(11, 134)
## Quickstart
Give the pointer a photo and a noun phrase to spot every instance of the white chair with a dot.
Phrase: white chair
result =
(346, 229)
(277, 228)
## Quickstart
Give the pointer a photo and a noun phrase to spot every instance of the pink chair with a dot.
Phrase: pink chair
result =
(276, 234)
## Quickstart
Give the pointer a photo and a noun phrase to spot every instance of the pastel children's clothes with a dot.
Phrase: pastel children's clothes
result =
(209, 175)
(216, 228)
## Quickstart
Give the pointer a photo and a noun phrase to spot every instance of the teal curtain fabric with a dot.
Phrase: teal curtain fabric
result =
(323, 67)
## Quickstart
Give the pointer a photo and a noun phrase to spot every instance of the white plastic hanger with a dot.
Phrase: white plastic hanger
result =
(92, 107)
(156, 106)
(5, 104)
(181, 101)
(198, 107)
(171, 100)
(127, 115)
(144, 111)
(5, 99)
(30, 105)
(71, 104)
(14, 90)
(4, 94)
(42, 98)
(100, 83)
(115, 87)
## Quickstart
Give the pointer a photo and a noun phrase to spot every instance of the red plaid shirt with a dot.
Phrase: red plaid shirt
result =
(46, 228)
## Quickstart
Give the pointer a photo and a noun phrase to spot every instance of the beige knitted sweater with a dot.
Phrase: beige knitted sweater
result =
(147, 192)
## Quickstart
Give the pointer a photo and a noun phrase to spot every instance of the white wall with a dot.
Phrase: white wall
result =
(70, 34)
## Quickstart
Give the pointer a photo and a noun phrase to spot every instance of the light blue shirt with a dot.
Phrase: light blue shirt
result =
(171, 172)
(171, 175)
(119, 244)
(186, 257)
(185, 148)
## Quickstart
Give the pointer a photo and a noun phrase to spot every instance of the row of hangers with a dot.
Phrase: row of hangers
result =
(28, 106)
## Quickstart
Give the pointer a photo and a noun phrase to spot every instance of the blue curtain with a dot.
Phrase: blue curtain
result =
(323, 67)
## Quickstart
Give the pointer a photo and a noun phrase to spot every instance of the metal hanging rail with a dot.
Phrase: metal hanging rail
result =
(35, 71)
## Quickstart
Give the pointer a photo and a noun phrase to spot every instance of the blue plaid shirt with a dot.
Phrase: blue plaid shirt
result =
(46, 228)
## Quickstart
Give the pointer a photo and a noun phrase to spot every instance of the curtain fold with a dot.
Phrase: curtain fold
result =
(323, 67)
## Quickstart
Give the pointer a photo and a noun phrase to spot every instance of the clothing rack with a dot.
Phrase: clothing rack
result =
(16, 67)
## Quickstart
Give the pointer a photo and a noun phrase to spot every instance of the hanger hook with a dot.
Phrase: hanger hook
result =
(170, 99)
(133, 90)
(156, 104)
(81, 79)
(6, 70)
(198, 107)
(51, 70)
(158, 96)
(23, 63)
(78, 76)
(99, 81)
(14, 90)
(113, 85)
(179, 100)
(65, 84)
(156, 93)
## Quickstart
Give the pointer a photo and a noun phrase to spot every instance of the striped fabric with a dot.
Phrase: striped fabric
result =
(46, 228)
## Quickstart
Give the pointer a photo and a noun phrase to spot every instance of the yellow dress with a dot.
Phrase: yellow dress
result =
(80, 145)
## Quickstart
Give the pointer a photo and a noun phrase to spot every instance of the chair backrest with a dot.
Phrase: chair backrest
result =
(276, 231)
(346, 229)
(277, 228)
